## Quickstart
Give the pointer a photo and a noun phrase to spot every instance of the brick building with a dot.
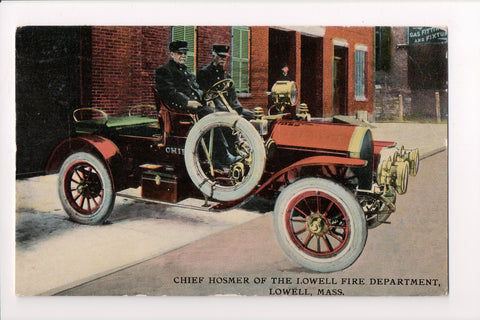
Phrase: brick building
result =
(332, 66)
(111, 68)
(323, 61)
(411, 62)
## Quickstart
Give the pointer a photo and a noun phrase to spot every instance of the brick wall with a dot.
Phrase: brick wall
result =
(208, 36)
(155, 53)
(123, 62)
(399, 78)
(352, 36)
(258, 68)
(394, 83)
(298, 62)
(418, 102)
(124, 59)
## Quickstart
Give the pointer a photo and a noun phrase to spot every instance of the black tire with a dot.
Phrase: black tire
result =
(85, 189)
(320, 225)
(210, 185)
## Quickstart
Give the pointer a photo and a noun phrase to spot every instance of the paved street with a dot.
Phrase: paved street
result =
(412, 246)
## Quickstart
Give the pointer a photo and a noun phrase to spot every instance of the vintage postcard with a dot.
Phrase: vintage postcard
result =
(305, 140)
(258, 160)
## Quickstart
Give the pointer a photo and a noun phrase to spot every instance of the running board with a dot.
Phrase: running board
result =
(204, 207)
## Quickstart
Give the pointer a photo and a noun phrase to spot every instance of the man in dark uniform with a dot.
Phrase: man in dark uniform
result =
(176, 86)
(214, 72)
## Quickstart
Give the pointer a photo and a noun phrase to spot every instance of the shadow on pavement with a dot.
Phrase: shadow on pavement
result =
(259, 205)
(32, 226)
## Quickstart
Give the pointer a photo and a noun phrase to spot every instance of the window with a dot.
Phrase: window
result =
(240, 41)
(360, 74)
(186, 33)
(383, 49)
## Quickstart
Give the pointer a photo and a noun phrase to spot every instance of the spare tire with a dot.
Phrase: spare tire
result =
(235, 180)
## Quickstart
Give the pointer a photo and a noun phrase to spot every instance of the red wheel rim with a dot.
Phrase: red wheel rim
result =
(83, 187)
(317, 223)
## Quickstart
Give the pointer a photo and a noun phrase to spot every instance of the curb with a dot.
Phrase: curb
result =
(433, 152)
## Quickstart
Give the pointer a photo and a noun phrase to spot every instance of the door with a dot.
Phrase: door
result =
(311, 74)
(340, 84)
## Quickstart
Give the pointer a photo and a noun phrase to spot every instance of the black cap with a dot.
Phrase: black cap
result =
(178, 45)
(220, 49)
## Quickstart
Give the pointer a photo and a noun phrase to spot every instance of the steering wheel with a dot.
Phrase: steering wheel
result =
(219, 88)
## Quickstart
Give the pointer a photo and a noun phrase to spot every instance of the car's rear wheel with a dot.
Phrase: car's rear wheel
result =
(85, 189)
(320, 225)
(224, 181)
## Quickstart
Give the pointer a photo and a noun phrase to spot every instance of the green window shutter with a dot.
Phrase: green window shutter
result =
(240, 47)
(186, 33)
(383, 48)
(360, 74)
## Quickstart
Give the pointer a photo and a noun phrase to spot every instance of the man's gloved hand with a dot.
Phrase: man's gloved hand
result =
(193, 105)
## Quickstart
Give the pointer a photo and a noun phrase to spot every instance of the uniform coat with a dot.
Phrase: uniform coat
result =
(176, 85)
(211, 74)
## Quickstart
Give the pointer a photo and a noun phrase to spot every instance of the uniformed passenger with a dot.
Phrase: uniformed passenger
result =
(176, 85)
(214, 72)
(178, 88)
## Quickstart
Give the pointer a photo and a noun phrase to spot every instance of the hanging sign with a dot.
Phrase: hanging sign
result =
(426, 35)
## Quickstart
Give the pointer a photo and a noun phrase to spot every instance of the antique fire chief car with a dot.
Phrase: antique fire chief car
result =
(331, 181)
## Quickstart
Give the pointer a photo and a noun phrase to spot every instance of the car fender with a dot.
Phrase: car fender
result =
(314, 162)
(104, 148)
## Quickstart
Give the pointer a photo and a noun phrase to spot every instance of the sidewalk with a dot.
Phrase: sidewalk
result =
(429, 138)
(54, 253)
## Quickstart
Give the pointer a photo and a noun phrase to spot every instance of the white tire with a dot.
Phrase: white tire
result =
(200, 173)
(85, 188)
(320, 225)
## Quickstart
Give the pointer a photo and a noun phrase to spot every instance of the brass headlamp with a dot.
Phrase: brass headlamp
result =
(397, 168)
(284, 93)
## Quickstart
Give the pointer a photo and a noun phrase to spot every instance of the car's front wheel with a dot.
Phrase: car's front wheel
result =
(85, 188)
(320, 225)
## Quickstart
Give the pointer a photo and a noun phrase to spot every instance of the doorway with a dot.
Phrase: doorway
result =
(340, 80)
(281, 51)
(311, 71)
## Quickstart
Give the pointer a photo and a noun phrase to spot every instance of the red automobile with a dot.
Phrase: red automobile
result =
(330, 181)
